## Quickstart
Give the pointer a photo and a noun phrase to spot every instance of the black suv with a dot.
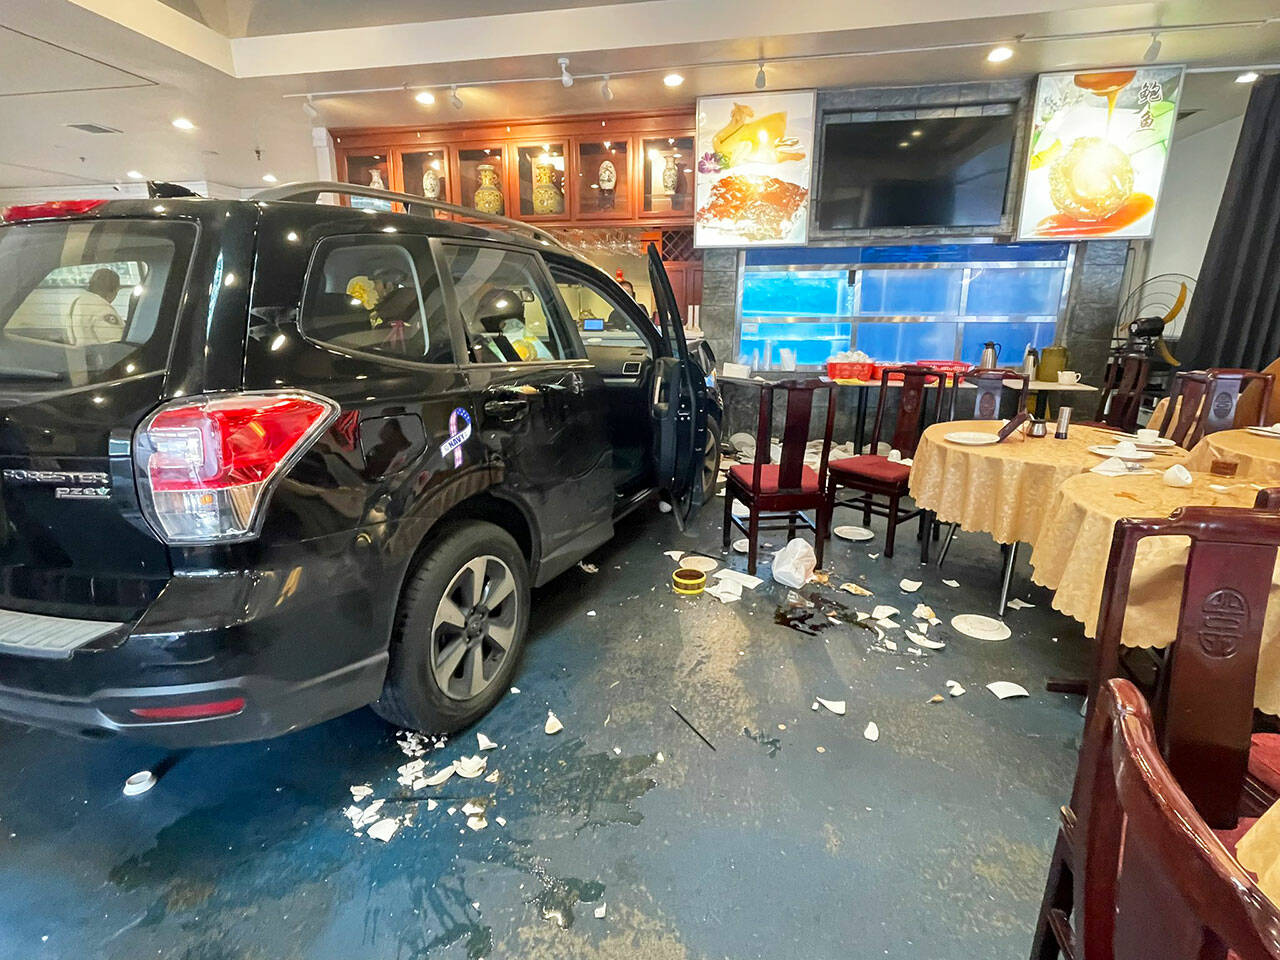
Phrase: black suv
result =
(268, 461)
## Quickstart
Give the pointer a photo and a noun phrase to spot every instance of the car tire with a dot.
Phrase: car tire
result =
(431, 686)
(709, 471)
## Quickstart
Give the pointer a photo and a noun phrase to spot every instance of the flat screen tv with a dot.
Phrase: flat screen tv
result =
(934, 172)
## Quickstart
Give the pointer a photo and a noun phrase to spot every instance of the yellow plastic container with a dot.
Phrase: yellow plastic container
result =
(688, 582)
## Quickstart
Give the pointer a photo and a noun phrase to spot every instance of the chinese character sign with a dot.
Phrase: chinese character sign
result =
(1098, 148)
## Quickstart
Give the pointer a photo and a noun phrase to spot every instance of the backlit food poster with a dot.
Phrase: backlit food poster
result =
(754, 159)
(1099, 143)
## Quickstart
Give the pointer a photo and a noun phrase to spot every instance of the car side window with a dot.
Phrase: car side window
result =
(377, 295)
(509, 311)
(601, 318)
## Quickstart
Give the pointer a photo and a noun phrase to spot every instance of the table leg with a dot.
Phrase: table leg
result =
(860, 419)
(1011, 557)
(946, 543)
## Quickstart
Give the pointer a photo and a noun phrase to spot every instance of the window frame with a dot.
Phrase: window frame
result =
(559, 311)
(582, 277)
(427, 254)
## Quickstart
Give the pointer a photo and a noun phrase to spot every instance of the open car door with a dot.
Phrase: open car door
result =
(678, 405)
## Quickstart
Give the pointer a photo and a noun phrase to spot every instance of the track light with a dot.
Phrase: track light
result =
(455, 101)
(566, 78)
(605, 92)
(1249, 76)
(1153, 49)
(760, 78)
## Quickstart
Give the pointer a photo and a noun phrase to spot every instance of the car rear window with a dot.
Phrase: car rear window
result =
(86, 302)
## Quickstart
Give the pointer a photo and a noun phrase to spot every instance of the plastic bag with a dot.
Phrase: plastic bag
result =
(794, 564)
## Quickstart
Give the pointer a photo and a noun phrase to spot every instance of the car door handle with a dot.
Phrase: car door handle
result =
(507, 410)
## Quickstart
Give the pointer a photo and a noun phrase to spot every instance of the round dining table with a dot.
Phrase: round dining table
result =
(1256, 457)
(1070, 558)
(1002, 488)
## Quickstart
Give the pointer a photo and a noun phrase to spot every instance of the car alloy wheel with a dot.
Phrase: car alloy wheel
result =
(710, 463)
(474, 627)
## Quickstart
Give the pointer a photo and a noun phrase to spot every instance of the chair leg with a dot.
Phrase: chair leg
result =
(728, 518)
(791, 526)
(1058, 895)
(753, 539)
(893, 526)
(946, 543)
(866, 512)
(820, 533)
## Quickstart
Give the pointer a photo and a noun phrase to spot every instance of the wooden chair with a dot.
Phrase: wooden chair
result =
(1222, 396)
(1153, 879)
(1205, 683)
(875, 475)
(1251, 410)
(776, 495)
(1186, 400)
(988, 392)
(1121, 395)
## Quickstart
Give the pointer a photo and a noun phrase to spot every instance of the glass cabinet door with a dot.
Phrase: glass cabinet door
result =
(668, 175)
(426, 173)
(602, 179)
(482, 178)
(369, 170)
(540, 174)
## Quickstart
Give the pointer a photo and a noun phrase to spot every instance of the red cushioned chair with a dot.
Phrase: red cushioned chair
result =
(1153, 880)
(1204, 687)
(874, 475)
(777, 495)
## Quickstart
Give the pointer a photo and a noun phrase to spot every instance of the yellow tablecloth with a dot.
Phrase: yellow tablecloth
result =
(1259, 852)
(1001, 489)
(1070, 558)
(1256, 458)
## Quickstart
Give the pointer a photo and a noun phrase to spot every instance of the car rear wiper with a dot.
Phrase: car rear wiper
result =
(23, 373)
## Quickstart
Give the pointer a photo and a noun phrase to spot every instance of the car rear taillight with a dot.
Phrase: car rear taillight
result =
(205, 465)
(52, 208)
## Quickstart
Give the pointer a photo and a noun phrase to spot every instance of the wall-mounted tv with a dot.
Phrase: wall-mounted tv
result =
(934, 171)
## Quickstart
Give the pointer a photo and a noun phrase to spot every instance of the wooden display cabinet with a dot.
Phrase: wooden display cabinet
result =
(637, 145)
(473, 163)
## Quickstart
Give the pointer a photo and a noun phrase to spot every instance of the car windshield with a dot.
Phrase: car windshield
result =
(86, 302)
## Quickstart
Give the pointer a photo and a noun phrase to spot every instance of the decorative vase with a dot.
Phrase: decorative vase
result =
(546, 197)
(488, 197)
(607, 181)
(375, 179)
(670, 175)
(431, 183)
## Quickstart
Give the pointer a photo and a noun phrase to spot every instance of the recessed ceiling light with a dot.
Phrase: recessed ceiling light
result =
(425, 97)
(268, 178)
(133, 175)
(182, 123)
(917, 133)
(673, 79)
(1000, 54)
(904, 143)
(1249, 76)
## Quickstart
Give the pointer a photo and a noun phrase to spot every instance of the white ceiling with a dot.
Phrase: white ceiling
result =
(229, 64)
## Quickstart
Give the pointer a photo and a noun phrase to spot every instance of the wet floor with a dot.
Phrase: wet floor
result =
(794, 837)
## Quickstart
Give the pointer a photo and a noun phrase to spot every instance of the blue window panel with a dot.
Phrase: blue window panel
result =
(907, 342)
(911, 293)
(812, 342)
(795, 294)
(1013, 336)
(1014, 291)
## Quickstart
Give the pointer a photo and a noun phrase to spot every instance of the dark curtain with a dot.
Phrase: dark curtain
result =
(1234, 319)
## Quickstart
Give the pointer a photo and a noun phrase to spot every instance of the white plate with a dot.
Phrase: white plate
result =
(973, 439)
(1263, 431)
(740, 545)
(1103, 451)
(849, 532)
(980, 628)
(700, 563)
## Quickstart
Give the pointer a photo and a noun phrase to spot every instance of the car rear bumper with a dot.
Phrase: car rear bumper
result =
(271, 707)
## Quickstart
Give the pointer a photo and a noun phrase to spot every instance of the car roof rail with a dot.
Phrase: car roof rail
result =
(309, 191)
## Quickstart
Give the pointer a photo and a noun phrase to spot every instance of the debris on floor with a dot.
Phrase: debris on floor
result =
(688, 724)
(1004, 689)
(872, 732)
(470, 767)
(910, 586)
(835, 706)
(954, 584)
(600, 911)
(978, 627)
(139, 783)
(484, 742)
(1017, 604)
(856, 589)
(553, 724)
(794, 564)
(587, 567)
(384, 829)
(954, 688)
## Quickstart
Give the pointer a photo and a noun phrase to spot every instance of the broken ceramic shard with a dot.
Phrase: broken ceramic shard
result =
(432, 804)
(910, 586)
(484, 742)
(954, 688)
(937, 698)
(440, 776)
(883, 612)
(472, 807)
(477, 822)
(500, 821)
(553, 724)
(980, 628)
(493, 777)
(926, 642)
(600, 911)
(419, 783)
(924, 612)
(952, 583)
(835, 706)
(410, 769)
(872, 732)
(360, 790)
(385, 829)
(470, 767)
(1017, 604)
(888, 644)
(856, 589)
(587, 567)
(741, 545)
(674, 555)
(1004, 689)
